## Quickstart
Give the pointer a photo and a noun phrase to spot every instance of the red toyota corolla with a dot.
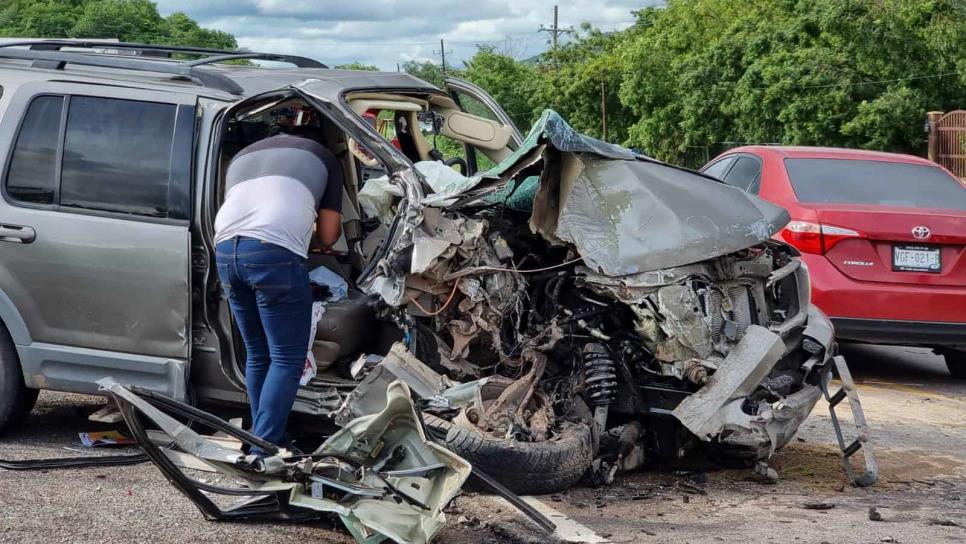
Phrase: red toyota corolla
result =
(883, 235)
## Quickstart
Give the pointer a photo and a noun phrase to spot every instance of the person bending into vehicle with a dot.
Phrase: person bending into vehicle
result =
(275, 190)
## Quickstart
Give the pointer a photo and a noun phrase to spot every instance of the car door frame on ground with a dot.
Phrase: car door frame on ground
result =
(92, 293)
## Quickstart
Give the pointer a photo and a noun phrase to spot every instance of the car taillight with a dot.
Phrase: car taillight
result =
(816, 238)
(833, 235)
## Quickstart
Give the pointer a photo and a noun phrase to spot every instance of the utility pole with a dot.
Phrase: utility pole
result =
(555, 31)
(442, 53)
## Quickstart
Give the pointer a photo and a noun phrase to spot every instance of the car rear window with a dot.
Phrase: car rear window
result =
(851, 181)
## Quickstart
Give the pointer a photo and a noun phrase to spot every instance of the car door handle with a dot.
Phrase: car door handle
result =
(16, 233)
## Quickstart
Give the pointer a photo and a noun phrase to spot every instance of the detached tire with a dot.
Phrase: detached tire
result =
(16, 399)
(526, 468)
(956, 362)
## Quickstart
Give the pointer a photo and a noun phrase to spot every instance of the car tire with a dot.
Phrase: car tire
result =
(526, 468)
(16, 399)
(956, 363)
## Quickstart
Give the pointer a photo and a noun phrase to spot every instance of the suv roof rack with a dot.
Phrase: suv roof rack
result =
(48, 54)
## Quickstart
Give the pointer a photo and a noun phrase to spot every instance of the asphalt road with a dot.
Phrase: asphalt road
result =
(918, 420)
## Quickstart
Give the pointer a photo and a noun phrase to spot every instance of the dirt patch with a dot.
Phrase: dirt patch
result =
(819, 466)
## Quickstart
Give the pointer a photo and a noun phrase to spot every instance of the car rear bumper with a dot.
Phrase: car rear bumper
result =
(842, 297)
(884, 331)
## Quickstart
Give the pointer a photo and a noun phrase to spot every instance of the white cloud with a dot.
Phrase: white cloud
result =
(387, 32)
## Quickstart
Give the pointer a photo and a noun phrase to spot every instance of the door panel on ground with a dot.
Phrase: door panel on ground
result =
(104, 286)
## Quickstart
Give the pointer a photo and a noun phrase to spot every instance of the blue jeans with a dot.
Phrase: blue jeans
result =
(268, 290)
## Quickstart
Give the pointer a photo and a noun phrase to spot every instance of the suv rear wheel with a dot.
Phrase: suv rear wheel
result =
(956, 362)
(16, 399)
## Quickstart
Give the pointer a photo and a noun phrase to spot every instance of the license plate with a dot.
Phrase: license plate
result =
(916, 259)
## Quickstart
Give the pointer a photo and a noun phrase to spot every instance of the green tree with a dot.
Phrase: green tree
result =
(428, 72)
(574, 79)
(183, 30)
(855, 73)
(38, 19)
(509, 82)
(126, 20)
(358, 66)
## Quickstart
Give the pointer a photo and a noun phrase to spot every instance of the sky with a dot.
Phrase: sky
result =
(387, 32)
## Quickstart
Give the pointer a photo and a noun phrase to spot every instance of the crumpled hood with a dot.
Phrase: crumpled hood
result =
(626, 213)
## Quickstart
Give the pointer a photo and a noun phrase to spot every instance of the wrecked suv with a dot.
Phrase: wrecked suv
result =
(564, 307)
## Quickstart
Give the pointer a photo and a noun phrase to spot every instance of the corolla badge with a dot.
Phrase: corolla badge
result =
(921, 232)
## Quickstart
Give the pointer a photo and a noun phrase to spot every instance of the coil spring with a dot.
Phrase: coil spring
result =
(600, 374)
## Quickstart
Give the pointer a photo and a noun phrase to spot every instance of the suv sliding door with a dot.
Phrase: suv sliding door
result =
(95, 250)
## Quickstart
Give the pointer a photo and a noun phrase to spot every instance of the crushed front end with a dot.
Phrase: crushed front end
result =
(580, 287)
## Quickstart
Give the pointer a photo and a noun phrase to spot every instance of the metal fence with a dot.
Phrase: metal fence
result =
(947, 140)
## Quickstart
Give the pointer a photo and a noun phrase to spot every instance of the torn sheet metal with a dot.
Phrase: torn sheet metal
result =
(707, 412)
(628, 214)
(380, 474)
(423, 477)
(371, 393)
(627, 217)
(773, 426)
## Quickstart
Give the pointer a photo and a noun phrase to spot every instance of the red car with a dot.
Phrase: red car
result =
(883, 235)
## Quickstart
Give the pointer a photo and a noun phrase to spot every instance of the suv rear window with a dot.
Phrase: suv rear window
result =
(120, 156)
(852, 181)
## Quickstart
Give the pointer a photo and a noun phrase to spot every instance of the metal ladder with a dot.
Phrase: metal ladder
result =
(863, 440)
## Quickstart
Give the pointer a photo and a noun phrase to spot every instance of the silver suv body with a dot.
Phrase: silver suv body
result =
(109, 194)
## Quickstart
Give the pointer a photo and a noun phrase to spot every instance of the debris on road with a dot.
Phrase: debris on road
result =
(765, 474)
(874, 514)
(108, 414)
(102, 439)
(862, 441)
(379, 474)
(818, 505)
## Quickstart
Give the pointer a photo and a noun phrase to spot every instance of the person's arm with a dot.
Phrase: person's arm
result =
(328, 225)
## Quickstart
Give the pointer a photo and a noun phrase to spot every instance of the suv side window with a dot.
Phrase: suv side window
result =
(117, 156)
(112, 155)
(33, 166)
(745, 174)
